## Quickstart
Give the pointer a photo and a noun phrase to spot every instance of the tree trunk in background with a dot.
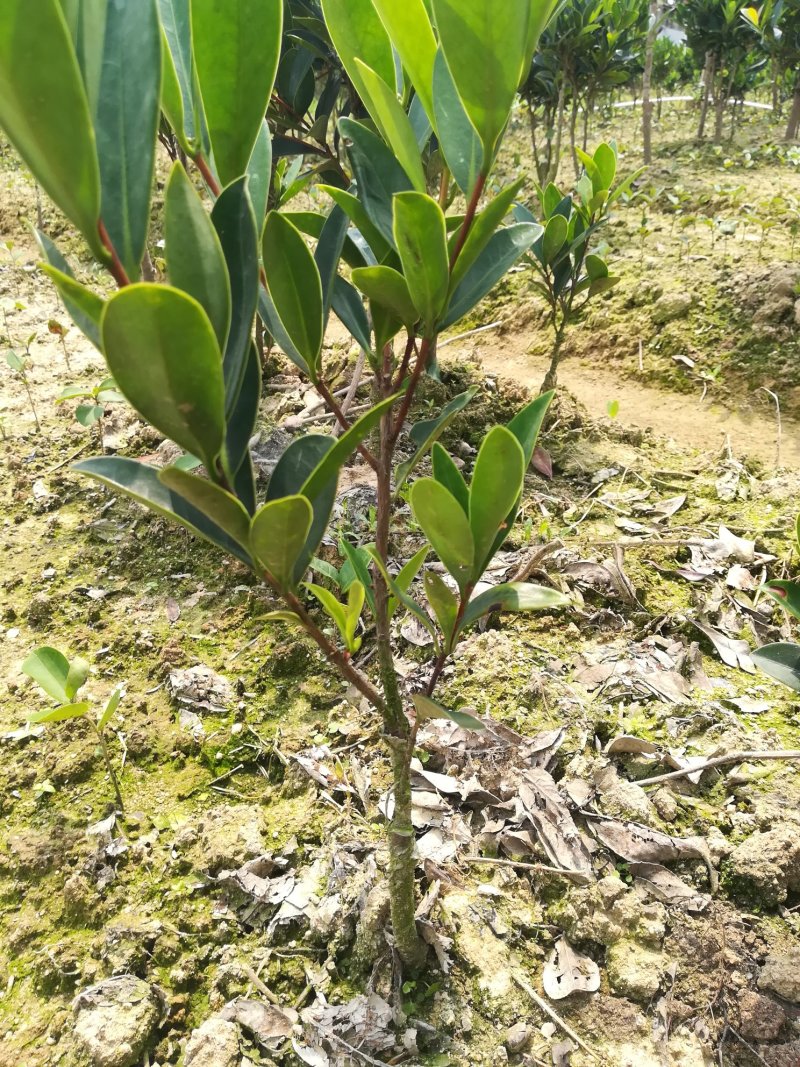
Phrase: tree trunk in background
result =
(552, 171)
(647, 79)
(708, 78)
(793, 126)
(573, 133)
(776, 94)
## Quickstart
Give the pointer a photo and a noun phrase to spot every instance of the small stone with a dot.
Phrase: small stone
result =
(214, 1044)
(116, 1020)
(518, 1037)
(633, 971)
(80, 899)
(611, 889)
(766, 867)
(760, 1019)
(671, 306)
(40, 611)
(781, 974)
(665, 804)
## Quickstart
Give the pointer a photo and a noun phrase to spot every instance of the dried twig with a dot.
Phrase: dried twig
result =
(541, 1003)
(578, 876)
(535, 559)
(470, 333)
(779, 435)
(719, 761)
(352, 389)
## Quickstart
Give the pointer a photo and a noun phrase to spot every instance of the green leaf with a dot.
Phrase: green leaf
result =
(403, 581)
(220, 506)
(111, 706)
(409, 27)
(87, 25)
(387, 288)
(162, 352)
(780, 661)
(446, 526)
(235, 225)
(85, 308)
(240, 429)
(430, 709)
(787, 594)
(378, 173)
(278, 535)
(424, 433)
(45, 113)
(68, 711)
(421, 238)
(49, 668)
(402, 597)
(541, 13)
(126, 123)
(88, 414)
(76, 678)
(237, 44)
(483, 229)
(195, 260)
(554, 239)
(259, 172)
(358, 34)
(343, 448)
(355, 604)
(447, 474)
(503, 250)
(358, 560)
(512, 596)
(357, 214)
(444, 603)
(458, 138)
(393, 123)
(295, 289)
(327, 255)
(141, 483)
(605, 159)
(333, 609)
(485, 46)
(527, 424)
(176, 22)
(349, 308)
(496, 487)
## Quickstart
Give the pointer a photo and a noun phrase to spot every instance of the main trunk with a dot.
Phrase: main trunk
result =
(647, 79)
(793, 126)
(708, 79)
(552, 171)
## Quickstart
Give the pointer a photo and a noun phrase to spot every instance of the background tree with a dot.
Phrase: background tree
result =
(777, 23)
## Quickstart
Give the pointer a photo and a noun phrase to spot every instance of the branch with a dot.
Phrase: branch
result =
(208, 177)
(466, 225)
(341, 418)
(720, 761)
(116, 268)
(402, 415)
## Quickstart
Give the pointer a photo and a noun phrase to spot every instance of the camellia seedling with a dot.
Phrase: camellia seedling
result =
(98, 397)
(62, 679)
(19, 365)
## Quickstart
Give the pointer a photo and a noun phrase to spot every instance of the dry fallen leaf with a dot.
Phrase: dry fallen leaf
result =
(668, 887)
(568, 971)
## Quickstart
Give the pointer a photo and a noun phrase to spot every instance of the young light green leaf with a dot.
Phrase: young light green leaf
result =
(447, 474)
(378, 173)
(49, 668)
(446, 526)
(355, 604)
(44, 110)
(220, 506)
(278, 535)
(332, 607)
(555, 237)
(112, 704)
(423, 434)
(605, 159)
(431, 709)
(513, 596)
(67, 711)
(195, 260)
(76, 677)
(409, 27)
(126, 122)
(295, 288)
(502, 251)
(421, 239)
(496, 487)
(444, 603)
(84, 306)
(388, 289)
(392, 121)
(358, 34)
(162, 352)
(527, 424)
(236, 44)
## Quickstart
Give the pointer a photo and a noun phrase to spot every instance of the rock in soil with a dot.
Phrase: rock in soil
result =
(781, 974)
(766, 866)
(214, 1044)
(116, 1019)
(760, 1019)
(633, 971)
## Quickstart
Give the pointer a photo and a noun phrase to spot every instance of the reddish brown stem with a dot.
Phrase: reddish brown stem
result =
(116, 268)
(411, 347)
(419, 366)
(469, 218)
(341, 418)
(208, 177)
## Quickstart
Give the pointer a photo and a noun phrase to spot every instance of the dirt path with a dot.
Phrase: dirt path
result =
(682, 417)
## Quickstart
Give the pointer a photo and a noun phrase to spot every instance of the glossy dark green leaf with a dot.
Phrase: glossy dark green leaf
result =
(501, 253)
(293, 469)
(195, 259)
(431, 709)
(220, 506)
(278, 535)
(259, 171)
(554, 238)
(409, 27)
(447, 474)
(444, 603)
(85, 308)
(241, 427)
(176, 21)
(295, 289)
(44, 110)
(458, 138)
(485, 46)
(424, 433)
(327, 255)
(126, 122)
(236, 49)
(393, 123)
(787, 594)
(87, 25)
(780, 661)
(343, 448)
(387, 288)
(235, 224)
(357, 214)
(140, 482)
(483, 228)
(49, 668)
(378, 174)
(446, 526)
(358, 33)
(421, 239)
(496, 486)
(513, 596)
(162, 352)
(349, 308)
(527, 424)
